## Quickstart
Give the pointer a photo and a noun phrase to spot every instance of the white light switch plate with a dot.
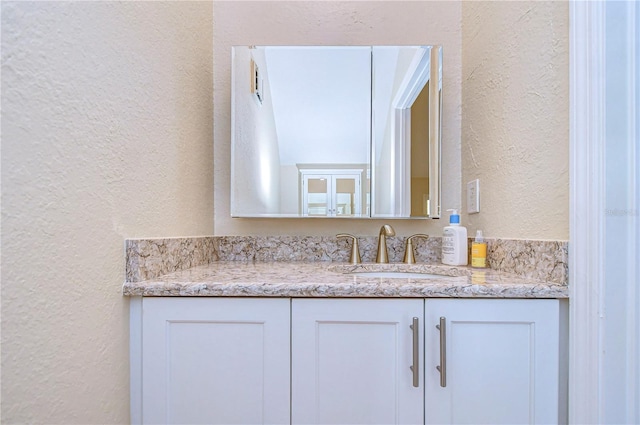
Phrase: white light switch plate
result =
(473, 196)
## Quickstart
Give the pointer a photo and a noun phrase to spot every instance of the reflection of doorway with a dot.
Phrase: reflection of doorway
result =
(418, 90)
(406, 151)
(331, 193)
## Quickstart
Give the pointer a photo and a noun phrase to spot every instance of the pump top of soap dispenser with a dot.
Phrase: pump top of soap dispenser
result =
(479, 237)
(454, 218)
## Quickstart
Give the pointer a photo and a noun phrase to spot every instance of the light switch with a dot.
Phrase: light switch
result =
(473, 196)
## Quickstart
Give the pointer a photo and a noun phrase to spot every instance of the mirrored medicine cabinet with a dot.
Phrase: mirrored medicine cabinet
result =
(336, 131)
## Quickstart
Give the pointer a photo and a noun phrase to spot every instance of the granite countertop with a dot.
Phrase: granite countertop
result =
(331, 279)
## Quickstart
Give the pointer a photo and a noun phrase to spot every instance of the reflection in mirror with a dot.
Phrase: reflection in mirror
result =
(406, 131)
(347, 131)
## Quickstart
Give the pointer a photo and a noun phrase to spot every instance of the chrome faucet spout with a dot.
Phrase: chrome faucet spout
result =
(383, 255)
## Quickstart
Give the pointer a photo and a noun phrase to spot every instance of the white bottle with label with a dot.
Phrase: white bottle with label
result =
(454, 242)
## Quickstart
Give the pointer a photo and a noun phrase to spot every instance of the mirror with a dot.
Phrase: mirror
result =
(336, 131)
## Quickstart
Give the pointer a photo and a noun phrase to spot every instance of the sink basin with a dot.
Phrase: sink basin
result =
(399, 275)
(400, 271)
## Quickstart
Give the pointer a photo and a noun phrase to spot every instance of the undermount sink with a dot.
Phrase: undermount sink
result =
(399, 275)
(400, 271)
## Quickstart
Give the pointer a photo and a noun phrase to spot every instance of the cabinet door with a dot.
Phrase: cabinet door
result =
(501, 361)
(215, 361)
(351, 361)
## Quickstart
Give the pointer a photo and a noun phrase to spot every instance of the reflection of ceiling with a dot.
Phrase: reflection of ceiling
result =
(321, 97)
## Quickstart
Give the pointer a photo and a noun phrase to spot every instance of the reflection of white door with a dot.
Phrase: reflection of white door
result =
(331, 193)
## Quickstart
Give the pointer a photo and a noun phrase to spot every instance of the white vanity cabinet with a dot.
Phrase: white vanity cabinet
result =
(351, 361)
(347, 361)
(211, 361)
(499, 362)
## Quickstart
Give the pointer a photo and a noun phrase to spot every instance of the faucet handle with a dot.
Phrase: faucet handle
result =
(409, 258)
(354, 258)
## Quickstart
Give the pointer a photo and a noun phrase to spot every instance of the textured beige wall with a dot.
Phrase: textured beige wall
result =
(106, 134)
(515, 116)
(331, 23)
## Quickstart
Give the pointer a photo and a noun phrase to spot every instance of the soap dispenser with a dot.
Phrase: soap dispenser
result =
(454, 242)
(479, 251)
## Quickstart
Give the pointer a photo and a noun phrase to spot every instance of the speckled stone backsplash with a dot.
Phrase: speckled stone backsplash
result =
(319, 248)
(544, 260)
(150, 258)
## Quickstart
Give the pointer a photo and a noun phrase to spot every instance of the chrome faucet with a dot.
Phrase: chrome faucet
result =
(383, 256)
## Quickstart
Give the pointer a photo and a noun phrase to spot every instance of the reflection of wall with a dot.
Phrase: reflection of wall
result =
(257, 171)
(516, 116)
(321, 98)
(290, 192)
(385, 62)
(106, 135)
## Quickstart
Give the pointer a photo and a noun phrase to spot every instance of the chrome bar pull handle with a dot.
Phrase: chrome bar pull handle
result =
(415, 368)
(442, 327)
